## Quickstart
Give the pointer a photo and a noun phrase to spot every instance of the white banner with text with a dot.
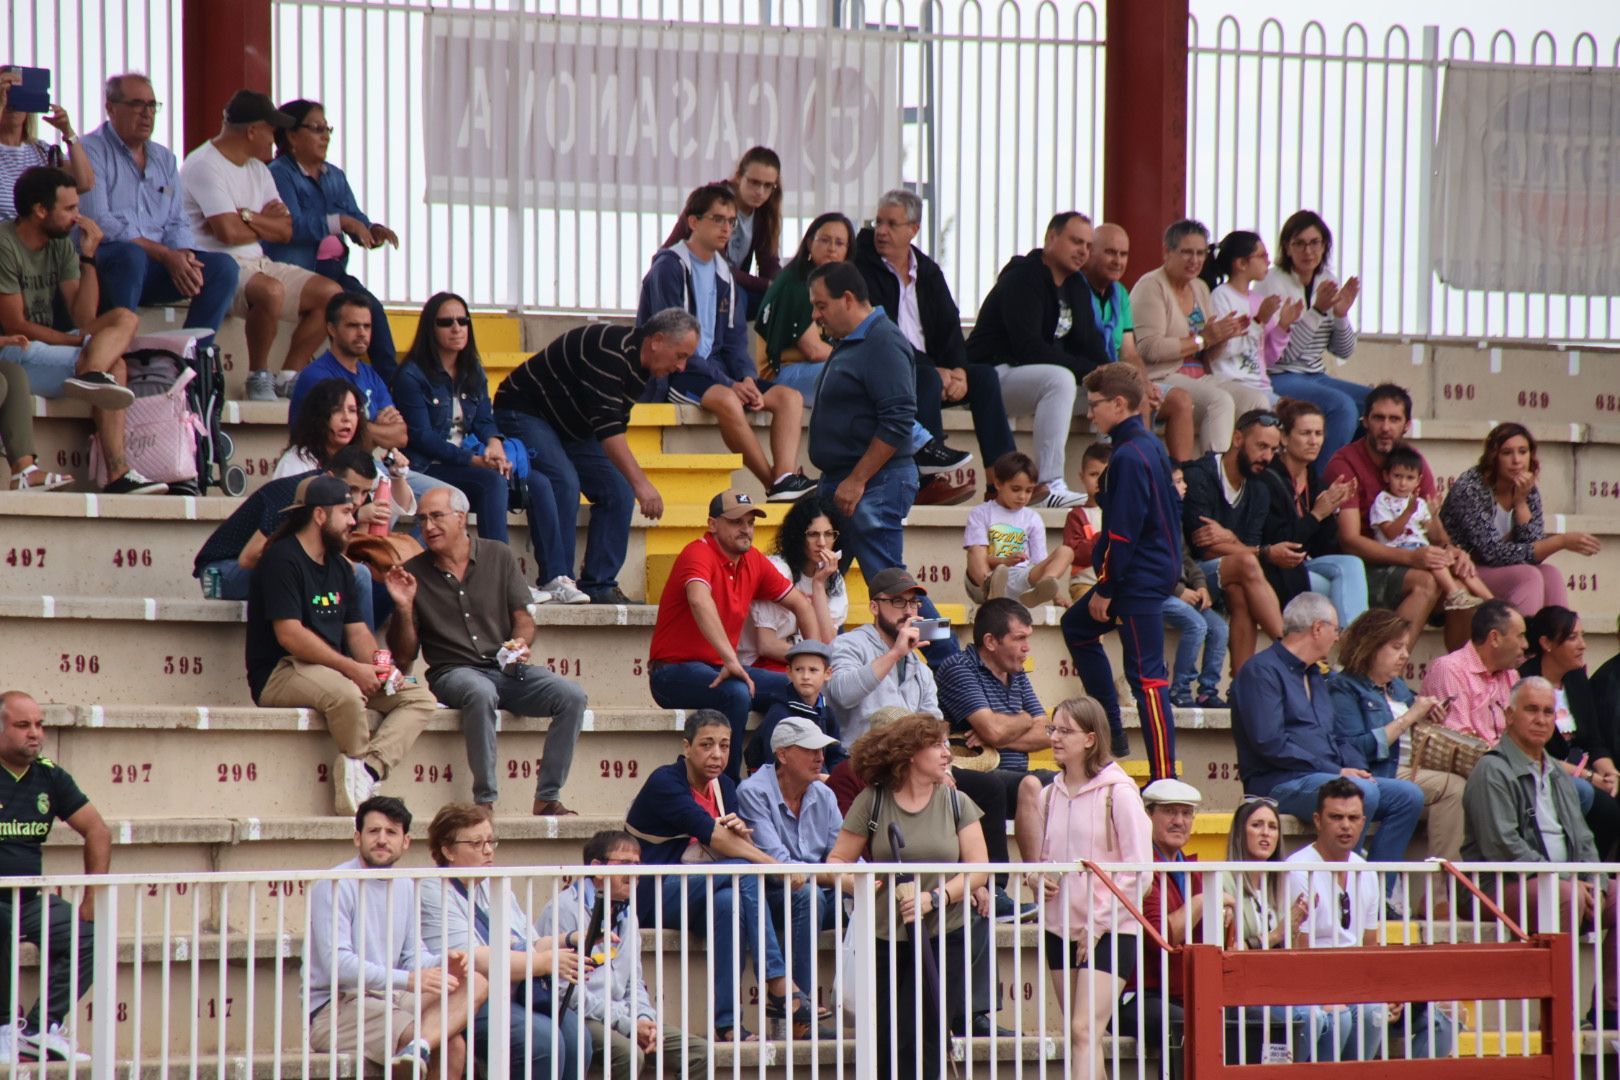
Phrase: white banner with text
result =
(606, 114)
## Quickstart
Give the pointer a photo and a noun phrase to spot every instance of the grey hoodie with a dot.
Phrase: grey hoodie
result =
(855, 693)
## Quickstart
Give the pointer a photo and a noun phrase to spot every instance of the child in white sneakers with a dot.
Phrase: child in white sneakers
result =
(1401, 518)
(1006, 542)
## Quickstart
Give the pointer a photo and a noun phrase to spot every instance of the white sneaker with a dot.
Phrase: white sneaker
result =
(351, 785)
(538, 595)
(564, 591)
(284, 383)
(8, 1044)
(261, 386)
(51, 1045)
(414, 1056)
(1058, 496)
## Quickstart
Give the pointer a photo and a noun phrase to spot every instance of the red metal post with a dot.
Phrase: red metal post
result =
(1145, 127)
(226, 47)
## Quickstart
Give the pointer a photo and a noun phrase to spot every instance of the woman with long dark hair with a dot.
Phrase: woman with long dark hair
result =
(757, 236)
(1584, 736)
(794, 347)
(324, 214)
(1295, 352)
(442, 392)
(807, 554)
(1493, 512)
(332, 417)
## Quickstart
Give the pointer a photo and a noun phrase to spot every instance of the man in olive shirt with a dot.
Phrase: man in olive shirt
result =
(471, 601)
(34, 792)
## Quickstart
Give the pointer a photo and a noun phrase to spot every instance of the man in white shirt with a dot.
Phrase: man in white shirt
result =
(231, 203)
(369, 959)
(1344, 910)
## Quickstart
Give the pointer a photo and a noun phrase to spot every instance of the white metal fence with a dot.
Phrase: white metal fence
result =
(1000, 124)
(204, 974)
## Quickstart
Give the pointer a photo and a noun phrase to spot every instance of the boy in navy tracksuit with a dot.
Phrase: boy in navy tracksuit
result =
(1138, 560)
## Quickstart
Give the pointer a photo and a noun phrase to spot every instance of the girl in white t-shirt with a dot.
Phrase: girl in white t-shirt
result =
(1235, 265)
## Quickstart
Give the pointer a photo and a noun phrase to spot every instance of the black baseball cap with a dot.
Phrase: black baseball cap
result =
(250, 107)
(321, 490)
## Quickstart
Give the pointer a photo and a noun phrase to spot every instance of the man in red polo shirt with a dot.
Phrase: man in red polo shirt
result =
(693, 659)
(1401, 579)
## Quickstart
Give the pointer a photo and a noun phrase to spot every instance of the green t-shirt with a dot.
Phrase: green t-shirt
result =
(35, 274)
(930, 837)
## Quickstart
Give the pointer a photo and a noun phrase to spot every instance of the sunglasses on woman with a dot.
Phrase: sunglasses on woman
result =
(445, 322)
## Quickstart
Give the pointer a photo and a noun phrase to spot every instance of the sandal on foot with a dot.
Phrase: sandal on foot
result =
(34, 478)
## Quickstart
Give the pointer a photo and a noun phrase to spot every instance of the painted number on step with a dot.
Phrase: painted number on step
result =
(130, 558)
(289, 889)
(637, 667)
(79, 664)
(140, 773)
(1458, 391)
(1582, 583)
(182, 665)
(235, 772)
(620, 769)
(180, 889)
(321, 774)
(566, 665)
(522, 770)
(26, 558)
(933, 573)
(433, 774)
(1066, 669)
(1223, 770)
(123, 1011)
(1605, 489)
(212, 1010)
(1608, 402)
(258, 466)
(1534, 399)
(76, 459)
(1416, 671)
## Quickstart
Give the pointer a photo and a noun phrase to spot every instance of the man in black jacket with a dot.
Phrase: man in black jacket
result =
(1224, 516)
(911, 290)
(1037, 329)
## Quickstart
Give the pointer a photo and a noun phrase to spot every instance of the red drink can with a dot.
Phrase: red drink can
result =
(382, 660)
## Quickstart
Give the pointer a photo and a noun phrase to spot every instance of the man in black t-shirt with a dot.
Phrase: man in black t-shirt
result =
(308, 648)
(34, 792)
(233, 549)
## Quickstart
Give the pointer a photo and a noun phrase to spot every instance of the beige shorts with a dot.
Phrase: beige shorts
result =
(377, 1007)
(292, 278)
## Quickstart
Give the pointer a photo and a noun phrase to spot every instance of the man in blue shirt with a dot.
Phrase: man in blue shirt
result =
(1287, 746)
(348, 329)
(149, 255)
(795, 819)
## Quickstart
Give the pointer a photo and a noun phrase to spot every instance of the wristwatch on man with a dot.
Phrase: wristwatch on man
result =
(247, 216)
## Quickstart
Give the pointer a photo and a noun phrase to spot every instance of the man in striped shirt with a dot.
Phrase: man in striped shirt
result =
(570, 407)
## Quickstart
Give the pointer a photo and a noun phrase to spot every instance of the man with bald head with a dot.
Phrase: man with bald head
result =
(1520, 806)
(1111, 309)
(471, 618)
(149, 255)
(34, 792)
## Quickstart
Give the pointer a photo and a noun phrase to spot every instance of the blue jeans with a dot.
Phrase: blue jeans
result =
(686, 686)
(1341, 402)
(804, 931)
(1343, 580)
(558, 473)
(130, 278)
(1394, 804)
(531, 1040)
(48, 367)
(740, 893)
(235, 578)
(381, 354)
(1197, 628)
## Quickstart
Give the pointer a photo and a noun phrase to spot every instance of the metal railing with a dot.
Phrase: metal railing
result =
(993, 113)
(203, 973)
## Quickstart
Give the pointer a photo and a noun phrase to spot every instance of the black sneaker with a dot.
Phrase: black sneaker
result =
(1120, 745)
(1009, 910)
(100, 390)
(936, 457)
(614, 595)
(790, 488)
(133, 483)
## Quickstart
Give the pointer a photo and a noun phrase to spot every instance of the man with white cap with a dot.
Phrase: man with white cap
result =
(1171, 906)
(795, 819)
(692, 662)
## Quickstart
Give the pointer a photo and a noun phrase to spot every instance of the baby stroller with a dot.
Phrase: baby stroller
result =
(154, 363)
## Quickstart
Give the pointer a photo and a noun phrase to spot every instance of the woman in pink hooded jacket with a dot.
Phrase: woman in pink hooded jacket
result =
(1092, 810)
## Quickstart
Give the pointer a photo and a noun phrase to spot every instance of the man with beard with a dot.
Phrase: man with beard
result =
(367, 970)
(308, 648)
(37, 261)
(1223, 517)
(1397, 578)
(692, 662)
(472, 608)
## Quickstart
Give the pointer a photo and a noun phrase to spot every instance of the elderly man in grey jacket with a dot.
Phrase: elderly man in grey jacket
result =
(1519, 805)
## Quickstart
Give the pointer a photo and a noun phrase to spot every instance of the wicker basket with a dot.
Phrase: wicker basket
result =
(1437, 747)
